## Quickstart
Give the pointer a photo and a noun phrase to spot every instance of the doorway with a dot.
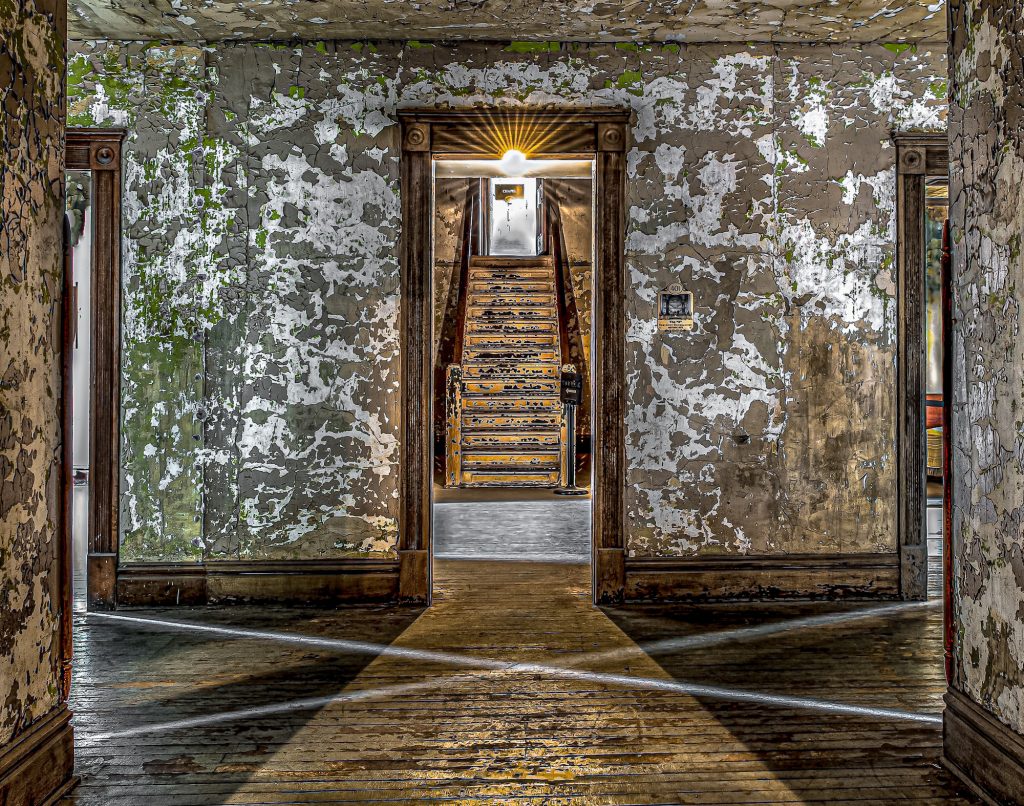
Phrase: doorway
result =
(936, 216)
(92, 412)
(923, 368)
(80, 219)
(595, 138)
(512, 309)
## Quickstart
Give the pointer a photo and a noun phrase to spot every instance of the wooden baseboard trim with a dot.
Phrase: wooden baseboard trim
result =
(38, 766)
(101, 580)
(982, 752)
(804, 576)
(276, 581)
(609, 576)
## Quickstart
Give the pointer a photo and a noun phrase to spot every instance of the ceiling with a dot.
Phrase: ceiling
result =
(508, 20)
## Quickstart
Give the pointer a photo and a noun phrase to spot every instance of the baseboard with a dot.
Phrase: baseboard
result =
(37, 767)
(813, 576)
(277, 582)
(609, 576)
(982, 752)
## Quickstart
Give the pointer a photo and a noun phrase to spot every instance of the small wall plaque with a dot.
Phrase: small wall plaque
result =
(675, 309)
(508, 192)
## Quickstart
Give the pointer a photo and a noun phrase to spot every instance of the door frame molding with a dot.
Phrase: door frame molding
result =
(99, 151)
(600, 134)
(919, 155)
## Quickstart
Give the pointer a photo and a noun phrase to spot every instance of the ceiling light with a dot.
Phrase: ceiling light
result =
(513, 162)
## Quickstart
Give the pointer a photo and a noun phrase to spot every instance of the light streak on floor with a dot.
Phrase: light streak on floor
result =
(470, 661)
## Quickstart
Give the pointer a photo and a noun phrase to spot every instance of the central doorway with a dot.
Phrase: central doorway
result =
(512, 308)
(508, 180)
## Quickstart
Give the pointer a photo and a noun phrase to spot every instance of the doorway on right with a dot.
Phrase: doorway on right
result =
(936, 214)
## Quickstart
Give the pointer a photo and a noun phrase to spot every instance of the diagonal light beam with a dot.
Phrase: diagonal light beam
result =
(705, 640)
(308, 704)
(469, 661)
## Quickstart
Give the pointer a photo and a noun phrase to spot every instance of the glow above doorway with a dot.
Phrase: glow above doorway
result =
(531, 169)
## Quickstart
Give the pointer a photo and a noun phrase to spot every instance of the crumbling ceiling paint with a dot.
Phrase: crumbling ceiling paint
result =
(503, 20)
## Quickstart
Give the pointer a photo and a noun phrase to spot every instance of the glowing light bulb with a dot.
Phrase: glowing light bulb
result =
(513, 162)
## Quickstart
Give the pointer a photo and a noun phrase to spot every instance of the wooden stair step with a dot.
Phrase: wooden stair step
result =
(510, 478)
(507, 458)
(528, 386)
(490, 275)
(474, 356)
(527, 420)
(511, 260)
(507, 478)
(513, 351)
(492, 439)
(535, 326)
(504, 340)
(511, 287)
(483, 313)
(510, 403)
(510, 300)
(522, 371)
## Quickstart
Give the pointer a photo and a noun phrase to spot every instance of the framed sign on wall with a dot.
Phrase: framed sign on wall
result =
(675, 309)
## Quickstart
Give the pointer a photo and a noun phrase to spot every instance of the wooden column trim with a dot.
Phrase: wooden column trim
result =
(609, 338)
(910, 398)
(416, 477)
(99, 151)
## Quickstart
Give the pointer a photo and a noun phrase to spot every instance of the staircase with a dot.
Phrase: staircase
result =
(506, 429)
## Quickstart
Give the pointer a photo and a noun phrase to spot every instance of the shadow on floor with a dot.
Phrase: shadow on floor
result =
(176, 704)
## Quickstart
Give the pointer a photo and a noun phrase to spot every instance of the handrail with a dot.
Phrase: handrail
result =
(560, 258)
(470, 243)
(449, 365)
(570, 339)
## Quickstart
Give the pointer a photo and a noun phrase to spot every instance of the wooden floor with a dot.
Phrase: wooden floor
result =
(512, 688)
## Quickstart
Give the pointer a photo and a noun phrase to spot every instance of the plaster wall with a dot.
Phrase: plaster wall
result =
(261, 276)
(987, 187)
(31, 213)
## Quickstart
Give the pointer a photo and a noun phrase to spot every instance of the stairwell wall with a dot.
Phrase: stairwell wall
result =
(261, 283)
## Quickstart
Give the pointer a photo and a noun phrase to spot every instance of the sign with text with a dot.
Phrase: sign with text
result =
(675, 310)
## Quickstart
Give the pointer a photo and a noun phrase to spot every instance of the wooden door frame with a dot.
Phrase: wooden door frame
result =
(99, 151)
(594, 133)
(919, 155)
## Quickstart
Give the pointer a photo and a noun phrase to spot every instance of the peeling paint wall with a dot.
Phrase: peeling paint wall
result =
(261, 248)
(31, 274)
(987, 214)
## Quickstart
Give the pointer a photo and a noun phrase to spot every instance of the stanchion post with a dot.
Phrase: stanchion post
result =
(571, 395)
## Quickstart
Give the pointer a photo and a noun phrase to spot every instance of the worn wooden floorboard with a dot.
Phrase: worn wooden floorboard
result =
(473, 728)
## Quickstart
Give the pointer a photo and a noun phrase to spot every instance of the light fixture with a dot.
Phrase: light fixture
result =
(513, 162)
